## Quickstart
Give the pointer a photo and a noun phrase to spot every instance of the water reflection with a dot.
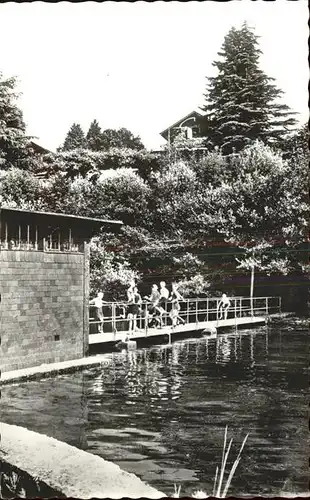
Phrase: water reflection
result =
(161, 412)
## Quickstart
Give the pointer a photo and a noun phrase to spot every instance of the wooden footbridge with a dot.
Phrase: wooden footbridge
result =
(200, 316)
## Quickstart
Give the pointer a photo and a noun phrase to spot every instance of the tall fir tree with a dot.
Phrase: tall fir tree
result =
(13, 140)
(75, 138)
(94, 137)
(242, 103)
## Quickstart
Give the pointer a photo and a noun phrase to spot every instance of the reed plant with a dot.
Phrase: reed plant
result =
(177, 491)
(220, 488)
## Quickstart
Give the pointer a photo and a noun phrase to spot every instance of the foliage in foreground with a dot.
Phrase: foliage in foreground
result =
(15, 483)
(220, 487)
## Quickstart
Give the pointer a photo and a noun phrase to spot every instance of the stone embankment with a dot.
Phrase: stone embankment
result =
(53, 369)
(76, 473)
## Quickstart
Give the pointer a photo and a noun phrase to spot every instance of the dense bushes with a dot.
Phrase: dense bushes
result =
(109, 272)
(175, 211)
(90, 164)
(178, 203)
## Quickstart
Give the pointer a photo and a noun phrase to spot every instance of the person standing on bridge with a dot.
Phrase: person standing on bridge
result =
(223, 306)
(175, 311)
(163, 298)
(98, 303)
(134, 303)
(151, 309)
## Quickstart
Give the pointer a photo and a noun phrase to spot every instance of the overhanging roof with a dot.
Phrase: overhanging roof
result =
(193, 114)
(38, 148)
(52, 217)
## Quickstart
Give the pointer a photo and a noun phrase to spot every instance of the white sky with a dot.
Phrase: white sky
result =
(138, 65)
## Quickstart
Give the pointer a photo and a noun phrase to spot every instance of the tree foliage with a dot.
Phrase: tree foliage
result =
(19, 188)
(90, 164)
(94, 137)
(242, 102)
(14, 150)
(178, 205)
(262, 209)
(75, 138)
(120, 138)
(173, 219)
(109, 272)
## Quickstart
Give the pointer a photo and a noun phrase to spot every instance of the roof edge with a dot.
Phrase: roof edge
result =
(197, 113)
(68, 216)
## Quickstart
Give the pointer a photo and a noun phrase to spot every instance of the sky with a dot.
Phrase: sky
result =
(138, 65)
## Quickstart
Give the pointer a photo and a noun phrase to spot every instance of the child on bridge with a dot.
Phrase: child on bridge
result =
(175, 311)
(98, 303)
(134, 303)
(223, 306)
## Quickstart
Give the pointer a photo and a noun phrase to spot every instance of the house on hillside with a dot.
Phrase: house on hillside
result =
(36, 148)
(190, 126)
(39, 152)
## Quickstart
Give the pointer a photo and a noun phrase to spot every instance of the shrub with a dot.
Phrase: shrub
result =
(109, 273)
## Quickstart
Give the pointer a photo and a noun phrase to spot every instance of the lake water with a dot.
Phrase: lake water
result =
(161, 412)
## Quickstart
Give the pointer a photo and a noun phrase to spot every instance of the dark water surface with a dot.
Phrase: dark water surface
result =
(161, 412)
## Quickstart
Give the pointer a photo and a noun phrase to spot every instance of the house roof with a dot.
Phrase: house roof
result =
(38, 149)
(50, 217)
(193, 114)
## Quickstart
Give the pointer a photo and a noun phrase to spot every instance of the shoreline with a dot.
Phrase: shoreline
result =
(74, 472)
(50, 369)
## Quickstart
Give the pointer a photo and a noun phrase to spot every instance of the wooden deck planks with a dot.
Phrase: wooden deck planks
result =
(103, 338)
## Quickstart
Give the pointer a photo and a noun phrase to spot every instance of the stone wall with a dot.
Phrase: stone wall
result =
(43, 313)
(74, 472)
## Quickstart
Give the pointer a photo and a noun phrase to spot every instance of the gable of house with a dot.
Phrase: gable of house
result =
(190, 126)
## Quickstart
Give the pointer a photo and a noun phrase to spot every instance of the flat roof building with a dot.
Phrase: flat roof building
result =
(44, 286)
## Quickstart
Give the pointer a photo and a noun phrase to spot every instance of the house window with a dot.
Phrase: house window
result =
(189, 133)
(196, 131)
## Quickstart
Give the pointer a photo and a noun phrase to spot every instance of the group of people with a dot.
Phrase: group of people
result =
(156, 308)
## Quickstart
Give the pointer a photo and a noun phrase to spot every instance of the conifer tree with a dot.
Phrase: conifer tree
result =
(13, 141)
(75, 138)
(94, 137)
(242, 103)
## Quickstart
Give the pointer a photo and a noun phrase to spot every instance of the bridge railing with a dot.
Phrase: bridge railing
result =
(193, 311)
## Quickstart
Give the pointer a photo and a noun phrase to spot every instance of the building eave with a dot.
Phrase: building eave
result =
(38, 148)
(189, 115)
(63, 217)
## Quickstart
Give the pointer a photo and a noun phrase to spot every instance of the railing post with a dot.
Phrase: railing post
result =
(240, 307)
(146, 320)
(6, 241)
(196, 312)
(19, 236)
(113, 321)
(280, 305)
(267, 306)
(235, 300)
(36, 239)
(187, 311)
(207, 310)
